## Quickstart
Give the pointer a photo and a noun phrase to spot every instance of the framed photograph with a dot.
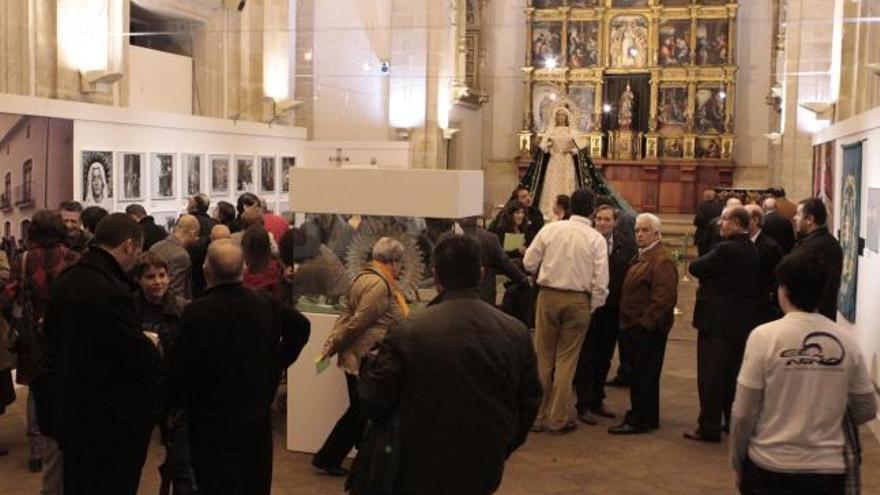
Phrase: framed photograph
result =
(132, 176)
(287, 162)
(244, 173)
(192, 171)
(163, 175)
(97, 178)
(166, 219)
(220, 174)
(267, 173)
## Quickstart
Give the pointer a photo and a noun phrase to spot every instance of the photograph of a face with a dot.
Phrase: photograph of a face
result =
(163, 175)
(97, 167)
(220, 174)
(244, 166)
(193, 171)
(267, 173)
(132, 176)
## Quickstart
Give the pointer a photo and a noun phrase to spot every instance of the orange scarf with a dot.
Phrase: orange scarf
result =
(385, 272)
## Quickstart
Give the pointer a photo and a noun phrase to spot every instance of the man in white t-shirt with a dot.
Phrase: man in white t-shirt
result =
(799, 376)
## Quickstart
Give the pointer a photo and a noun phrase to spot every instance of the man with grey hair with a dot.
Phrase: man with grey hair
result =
(647, 304)
(727, 309)
(234, 343)
(388, 250)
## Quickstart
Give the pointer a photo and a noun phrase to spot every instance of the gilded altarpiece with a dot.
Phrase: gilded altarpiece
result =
(680, 137)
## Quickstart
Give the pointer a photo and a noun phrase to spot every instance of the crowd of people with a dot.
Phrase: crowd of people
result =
(118, 327)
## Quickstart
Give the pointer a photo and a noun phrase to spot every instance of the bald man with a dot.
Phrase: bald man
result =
(234, 343)
(173, 250)
(771, 255)
(220, 232)
(777, 226)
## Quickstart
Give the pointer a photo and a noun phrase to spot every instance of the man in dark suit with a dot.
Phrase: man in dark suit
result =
(729, 298)
(100, 367)
(234, 344)
(152, 232)
(598, 346)
(811, 221)
(493, 259)
(708, 210)
(777, 226)
(771, 255)
(455, 389)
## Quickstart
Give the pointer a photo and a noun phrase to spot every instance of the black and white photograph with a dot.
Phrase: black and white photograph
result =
(286, 163)
(244, 173)
(97, 177)
(193, 173)
(267, 173)
(163, 175)
(132, 176)
(220, 174)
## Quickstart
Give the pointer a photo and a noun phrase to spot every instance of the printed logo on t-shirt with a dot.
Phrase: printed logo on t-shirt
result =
(818, 348)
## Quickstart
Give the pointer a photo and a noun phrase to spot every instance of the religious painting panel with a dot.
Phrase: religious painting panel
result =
(583, 44)
(823, 177)
(712, 42)
(714, 2)
(583, 4)
(546, 44)
(710, 115)
(629, 3)
(672, 114)
(850, 217)
(163, 175)
(544, 98)
(97, 177)
(674, 3)
(583, 98)
(675, 35)
(671, 148)
(708, 148)
(546, 4)
(132, 176)
(629, 42)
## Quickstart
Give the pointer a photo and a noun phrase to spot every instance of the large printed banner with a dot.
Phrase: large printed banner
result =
(850, 210)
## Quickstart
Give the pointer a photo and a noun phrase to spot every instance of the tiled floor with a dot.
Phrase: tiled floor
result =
(588, 461)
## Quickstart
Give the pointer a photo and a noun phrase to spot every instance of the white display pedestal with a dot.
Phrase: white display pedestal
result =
(314, 402)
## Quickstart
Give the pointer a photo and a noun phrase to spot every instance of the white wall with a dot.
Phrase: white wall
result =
(351, 95)
(159, 81)
(862, 127)
(378, 154)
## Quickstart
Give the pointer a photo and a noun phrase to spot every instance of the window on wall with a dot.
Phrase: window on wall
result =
(27, 170)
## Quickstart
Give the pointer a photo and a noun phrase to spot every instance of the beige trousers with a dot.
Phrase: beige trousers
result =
(561, 321)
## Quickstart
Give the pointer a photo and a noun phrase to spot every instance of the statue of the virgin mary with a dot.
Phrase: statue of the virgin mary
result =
(561, 164)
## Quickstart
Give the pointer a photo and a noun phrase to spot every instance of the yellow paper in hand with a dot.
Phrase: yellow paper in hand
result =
(321, 364)
(512, 242)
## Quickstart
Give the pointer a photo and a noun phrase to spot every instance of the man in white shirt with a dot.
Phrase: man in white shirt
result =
(571, 260)
(799, 376)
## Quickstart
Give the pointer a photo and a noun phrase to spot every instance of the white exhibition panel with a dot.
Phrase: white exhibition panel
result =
(382, 192)
(314, 402)
(159, 80)
(379, 154)
(864, 127)
(120, 137)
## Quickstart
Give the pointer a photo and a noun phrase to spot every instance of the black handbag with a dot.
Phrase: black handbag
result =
(375, 468)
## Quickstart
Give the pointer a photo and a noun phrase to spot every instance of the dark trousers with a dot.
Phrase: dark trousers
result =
(759, 481)
(177, 471)
(348, 430)
(240, 464)
(719, 358)
(648, 350)
(595, 359)
(87, 474)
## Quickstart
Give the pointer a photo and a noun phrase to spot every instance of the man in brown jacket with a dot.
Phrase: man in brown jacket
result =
(649, 294)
